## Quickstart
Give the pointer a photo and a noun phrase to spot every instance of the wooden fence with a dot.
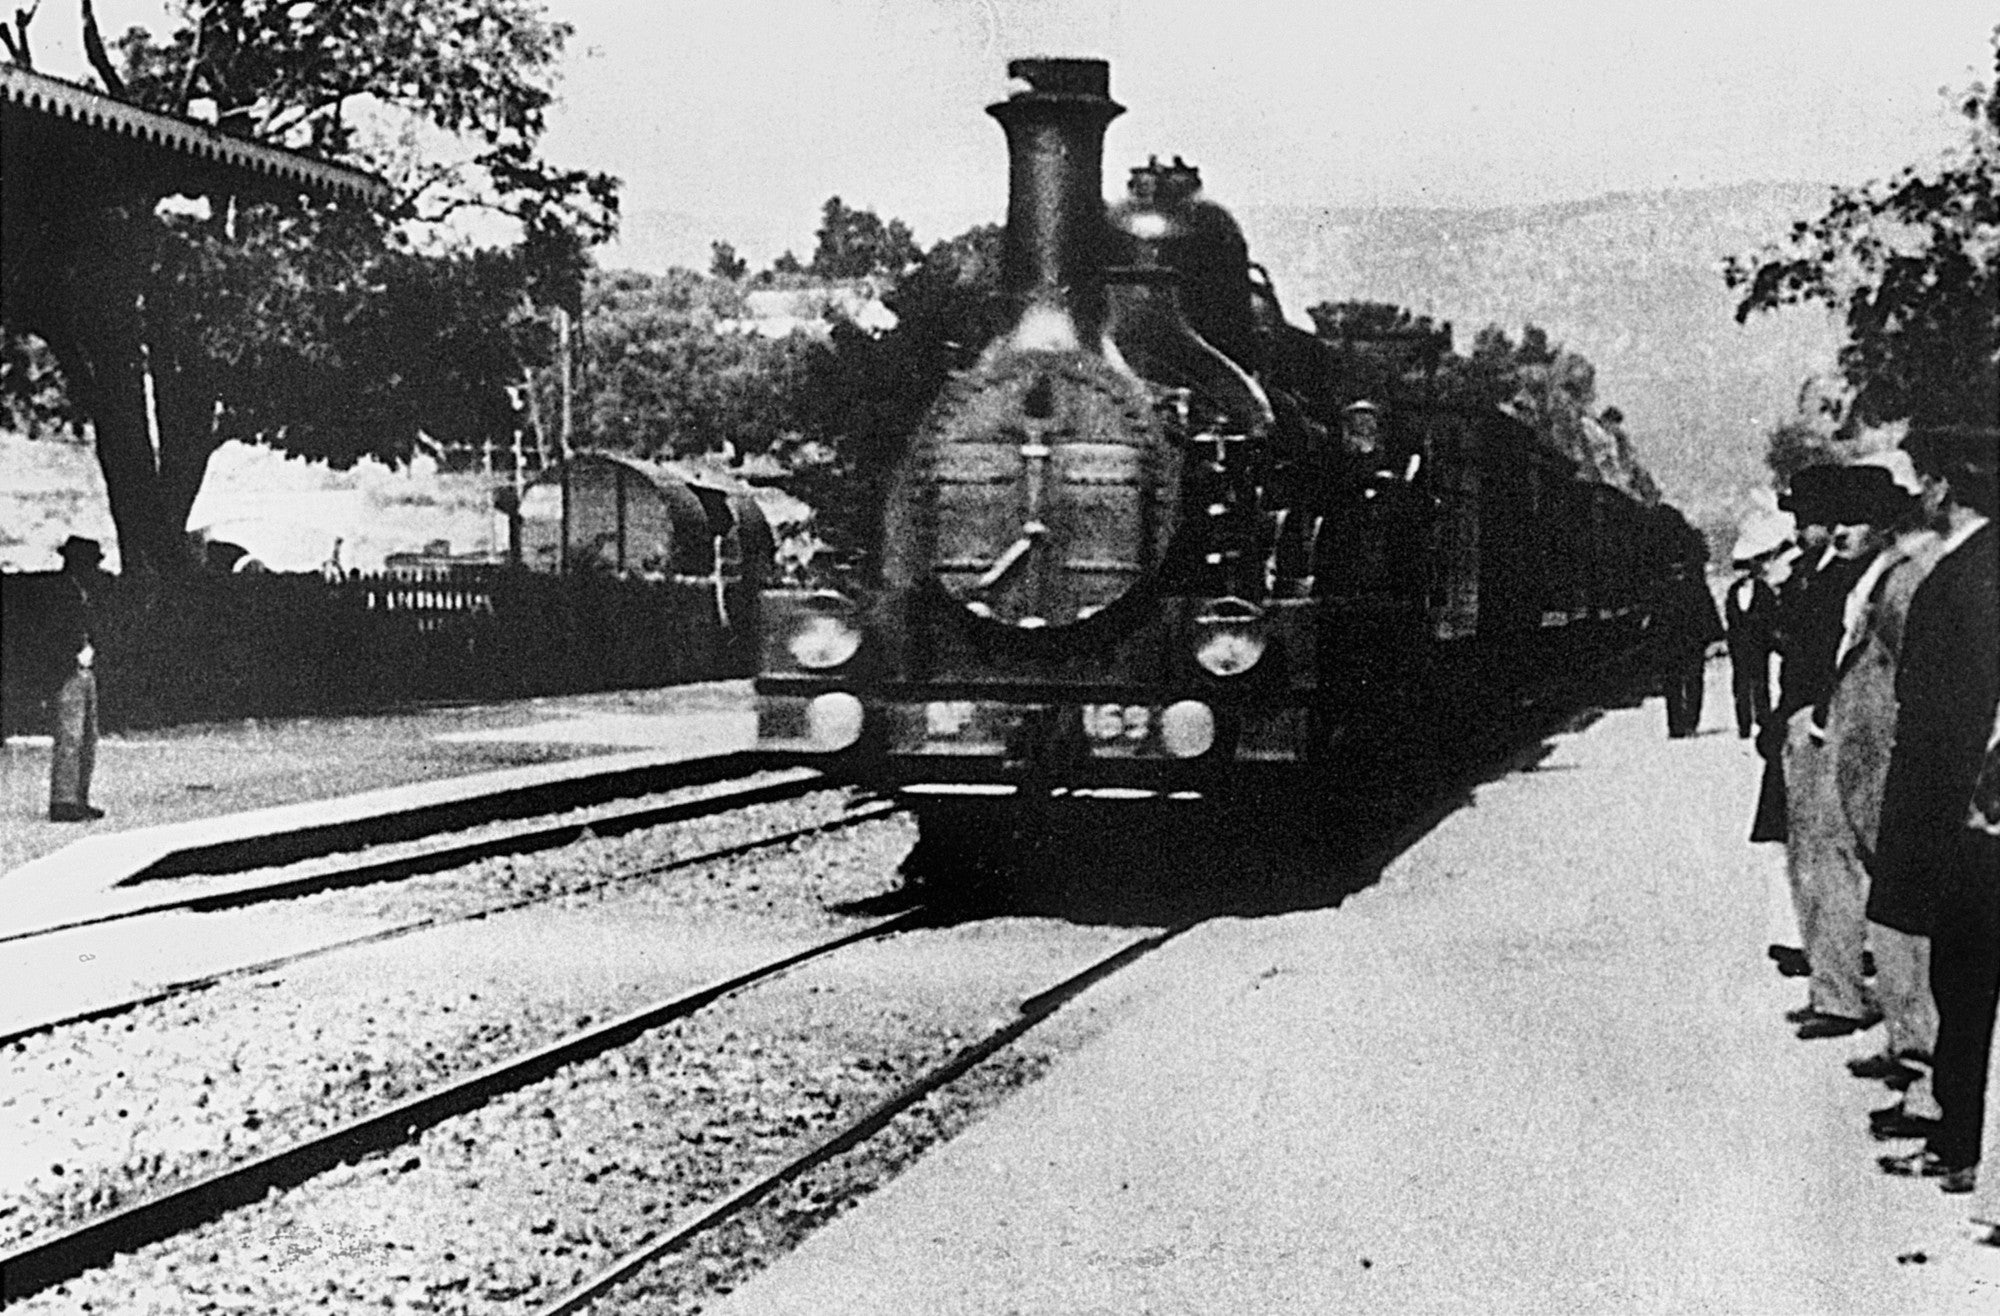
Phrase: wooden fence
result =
(224, 647)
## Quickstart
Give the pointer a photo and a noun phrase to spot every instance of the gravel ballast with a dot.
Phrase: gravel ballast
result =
(101, 1112)
(513, 1204)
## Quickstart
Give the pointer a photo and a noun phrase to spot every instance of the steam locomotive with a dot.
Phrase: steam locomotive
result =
(1152, 544)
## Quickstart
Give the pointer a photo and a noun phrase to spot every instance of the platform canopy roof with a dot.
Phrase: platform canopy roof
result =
(69, 143)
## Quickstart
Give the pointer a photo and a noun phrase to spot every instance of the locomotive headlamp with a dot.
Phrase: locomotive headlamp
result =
(826, 632)
(833, 721)
(1229, 636)
(1187, 729)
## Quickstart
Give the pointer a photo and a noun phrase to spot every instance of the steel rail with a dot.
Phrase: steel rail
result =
(614, 821)
(1032, 1012)
(870, 813)
(42, 1263)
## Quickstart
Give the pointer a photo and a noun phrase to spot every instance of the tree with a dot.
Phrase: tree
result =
(1913, 264)
(854, 244)
(865, 393)
(1336, 321)
(235, 320)
(663, 376)
(724, 263)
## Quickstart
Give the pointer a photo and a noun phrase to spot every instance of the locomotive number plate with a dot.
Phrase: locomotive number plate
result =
(1119, 724)
(946, 718)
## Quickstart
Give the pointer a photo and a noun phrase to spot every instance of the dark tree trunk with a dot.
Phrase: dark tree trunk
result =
(91, 314)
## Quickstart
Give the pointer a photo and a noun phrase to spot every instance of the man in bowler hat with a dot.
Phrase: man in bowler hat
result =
(75, 756)
(1813, 620)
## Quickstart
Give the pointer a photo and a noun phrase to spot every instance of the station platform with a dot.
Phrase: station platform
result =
(1541, 1067)
(243, 794)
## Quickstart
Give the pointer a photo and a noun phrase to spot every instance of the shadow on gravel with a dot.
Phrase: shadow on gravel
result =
(1306, 845)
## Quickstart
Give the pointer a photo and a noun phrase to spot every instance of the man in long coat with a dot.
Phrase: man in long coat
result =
(1824, 897)
(75, 707)
(1860, 728)
(1922, 883)
(1687, 624)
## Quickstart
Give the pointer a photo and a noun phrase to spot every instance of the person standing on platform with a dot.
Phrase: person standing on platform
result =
(1688, 624)
(1750, 615)
(1824, 899)
(75, 754)
(1982, 825)
(1860, 723)
(1927, 875)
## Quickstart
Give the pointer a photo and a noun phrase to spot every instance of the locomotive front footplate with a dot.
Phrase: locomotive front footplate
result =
(1085, 740)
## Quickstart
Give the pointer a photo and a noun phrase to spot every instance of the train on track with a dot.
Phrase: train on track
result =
(1155, 544)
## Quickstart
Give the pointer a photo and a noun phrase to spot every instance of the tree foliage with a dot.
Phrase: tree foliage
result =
(865, 393)
(1913, 265)
(724, 263)
(853, 244)
(664, 372)
(329, 330)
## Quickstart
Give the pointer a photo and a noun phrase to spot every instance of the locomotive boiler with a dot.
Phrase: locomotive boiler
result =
(1153, 542)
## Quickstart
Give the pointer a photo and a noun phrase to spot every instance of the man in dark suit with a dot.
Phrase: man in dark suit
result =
(75, 754)
(1922, 882)
(1750, 616)
(1687, 625)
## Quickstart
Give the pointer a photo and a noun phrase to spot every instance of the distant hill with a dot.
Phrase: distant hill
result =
(1632, 281)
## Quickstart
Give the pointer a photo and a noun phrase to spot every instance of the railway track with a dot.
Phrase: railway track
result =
(693, 1225)
(48, 1261)
(574, 831)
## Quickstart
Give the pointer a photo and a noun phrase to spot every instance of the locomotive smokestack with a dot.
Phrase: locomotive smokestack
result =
(1056, 232)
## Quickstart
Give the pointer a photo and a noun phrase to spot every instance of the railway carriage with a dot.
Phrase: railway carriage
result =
(1136, 550)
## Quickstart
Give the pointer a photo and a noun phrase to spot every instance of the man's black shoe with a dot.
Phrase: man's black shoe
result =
(74, 813)
(1900, 1125)
(1834, 1025)
(1791, 961)
(1924, 1164)
(1880, 1066)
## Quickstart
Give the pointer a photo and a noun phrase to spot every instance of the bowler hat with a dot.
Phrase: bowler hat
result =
(1806, 496)
(1864, 495)
(1898, 464)
(78, 547)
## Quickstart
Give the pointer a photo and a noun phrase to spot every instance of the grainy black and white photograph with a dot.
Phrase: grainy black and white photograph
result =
(999, 657)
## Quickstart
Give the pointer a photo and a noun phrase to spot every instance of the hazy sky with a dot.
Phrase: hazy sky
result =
(752, 112)
(770, 105)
